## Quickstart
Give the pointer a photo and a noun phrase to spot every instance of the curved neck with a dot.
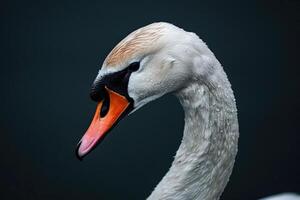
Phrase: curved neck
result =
(205, 158)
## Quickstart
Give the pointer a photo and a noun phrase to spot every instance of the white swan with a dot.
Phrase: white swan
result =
(159, 59)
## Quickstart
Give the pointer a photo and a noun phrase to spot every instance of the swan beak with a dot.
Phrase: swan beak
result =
(100, 125)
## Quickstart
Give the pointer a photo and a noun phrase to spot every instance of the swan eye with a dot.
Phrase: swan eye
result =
(134, 66)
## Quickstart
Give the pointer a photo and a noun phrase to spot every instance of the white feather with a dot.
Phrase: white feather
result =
(284, 196)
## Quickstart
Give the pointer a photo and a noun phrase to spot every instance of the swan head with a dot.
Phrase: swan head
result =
(152, 61)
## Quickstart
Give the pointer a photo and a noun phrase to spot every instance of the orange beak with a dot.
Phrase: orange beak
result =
(100, 125)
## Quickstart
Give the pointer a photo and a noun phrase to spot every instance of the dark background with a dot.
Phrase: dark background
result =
(51, 52)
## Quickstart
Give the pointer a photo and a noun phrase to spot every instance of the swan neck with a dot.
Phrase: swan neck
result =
(205, 158)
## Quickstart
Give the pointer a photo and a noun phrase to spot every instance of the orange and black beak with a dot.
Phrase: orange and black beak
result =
(109, 111)
(110, 91)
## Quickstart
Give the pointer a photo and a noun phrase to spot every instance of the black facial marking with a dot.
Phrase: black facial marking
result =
(118, 82)
(97, 91)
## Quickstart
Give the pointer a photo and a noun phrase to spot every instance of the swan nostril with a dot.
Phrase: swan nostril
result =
(105, 104)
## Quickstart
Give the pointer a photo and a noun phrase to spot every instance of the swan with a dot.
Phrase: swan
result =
(160, 59)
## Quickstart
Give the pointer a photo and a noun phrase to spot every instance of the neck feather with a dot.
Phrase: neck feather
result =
(205, 158)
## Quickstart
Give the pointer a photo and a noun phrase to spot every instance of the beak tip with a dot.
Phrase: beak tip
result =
(77, 153)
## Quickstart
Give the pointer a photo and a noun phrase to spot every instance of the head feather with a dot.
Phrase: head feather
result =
(141, 41)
